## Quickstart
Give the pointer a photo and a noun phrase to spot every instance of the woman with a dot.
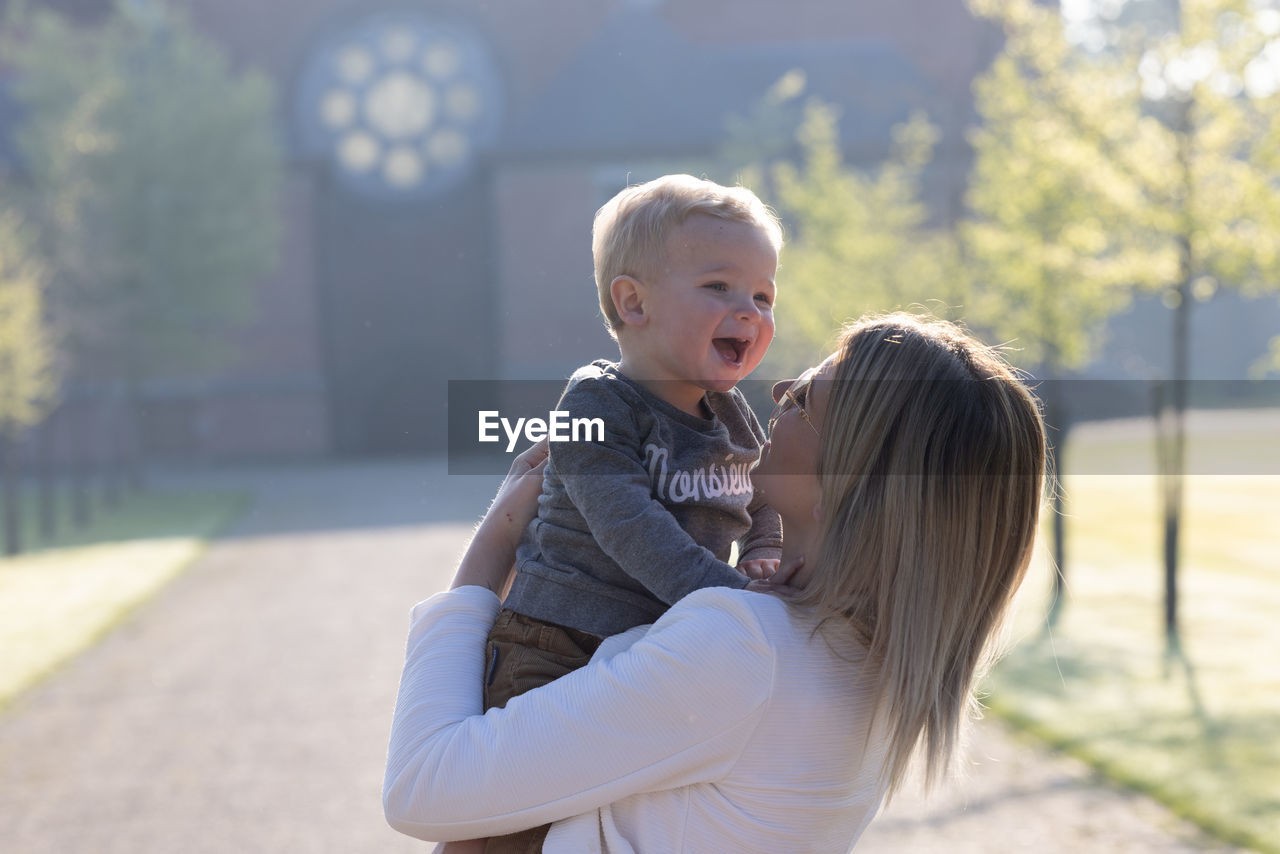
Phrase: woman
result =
(908, 470)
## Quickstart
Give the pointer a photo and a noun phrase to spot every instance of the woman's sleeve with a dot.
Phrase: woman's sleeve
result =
(674, 709)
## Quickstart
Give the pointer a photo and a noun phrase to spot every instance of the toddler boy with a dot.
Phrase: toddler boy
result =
(626, 527)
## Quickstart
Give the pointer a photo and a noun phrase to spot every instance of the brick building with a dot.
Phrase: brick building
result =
(445, 161)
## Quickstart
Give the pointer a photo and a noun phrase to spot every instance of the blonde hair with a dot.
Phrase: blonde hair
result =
(932, 467)
(628, 237)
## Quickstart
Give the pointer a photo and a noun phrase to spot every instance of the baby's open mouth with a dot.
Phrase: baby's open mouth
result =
(731, 349)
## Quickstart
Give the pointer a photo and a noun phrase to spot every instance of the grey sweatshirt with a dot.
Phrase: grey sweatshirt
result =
(628, 526)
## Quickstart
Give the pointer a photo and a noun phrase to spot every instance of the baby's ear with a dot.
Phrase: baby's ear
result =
(628, 300)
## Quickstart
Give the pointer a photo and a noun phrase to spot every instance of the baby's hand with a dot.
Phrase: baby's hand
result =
(779, 583)
(759, 568)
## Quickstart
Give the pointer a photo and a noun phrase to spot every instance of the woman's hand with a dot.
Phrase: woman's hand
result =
(490, 557)
(516, 503)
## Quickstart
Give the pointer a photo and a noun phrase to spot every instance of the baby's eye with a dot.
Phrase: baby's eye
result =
(717, 286)
(764, 298)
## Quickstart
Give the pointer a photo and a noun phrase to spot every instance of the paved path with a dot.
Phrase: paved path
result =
(245, 708)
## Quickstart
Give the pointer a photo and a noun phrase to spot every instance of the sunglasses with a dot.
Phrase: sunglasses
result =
(794, 396)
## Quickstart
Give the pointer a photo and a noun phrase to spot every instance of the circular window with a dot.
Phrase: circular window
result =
(400, 104)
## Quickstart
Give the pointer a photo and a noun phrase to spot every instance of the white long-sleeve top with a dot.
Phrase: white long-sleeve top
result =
(730, 725)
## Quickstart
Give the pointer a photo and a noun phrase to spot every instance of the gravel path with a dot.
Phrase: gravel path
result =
(245, 708)
(1017, 797)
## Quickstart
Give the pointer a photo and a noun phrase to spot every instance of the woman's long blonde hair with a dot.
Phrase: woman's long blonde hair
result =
(932, 468)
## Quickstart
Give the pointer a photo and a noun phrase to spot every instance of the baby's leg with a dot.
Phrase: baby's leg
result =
(469, 846)
(545, 657)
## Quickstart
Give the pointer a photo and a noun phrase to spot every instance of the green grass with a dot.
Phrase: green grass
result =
(1200, 734)
(55, 601)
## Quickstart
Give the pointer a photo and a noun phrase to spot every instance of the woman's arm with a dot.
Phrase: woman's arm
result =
(491, 554)
(675, 709)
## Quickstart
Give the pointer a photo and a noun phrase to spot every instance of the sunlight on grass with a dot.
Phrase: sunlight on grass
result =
(1204, 738)
(55, 602)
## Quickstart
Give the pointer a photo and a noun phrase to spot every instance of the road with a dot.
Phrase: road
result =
(245, 708)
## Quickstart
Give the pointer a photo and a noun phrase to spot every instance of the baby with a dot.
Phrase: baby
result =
(629, 525)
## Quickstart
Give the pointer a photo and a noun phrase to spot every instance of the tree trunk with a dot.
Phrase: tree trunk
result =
(132, 440)
(1056, 416)
(81, 499)
(81, 470)
(11, 492)
(112, 462)
(1058, 600)
(1175, 448)
(1173, 463)
(47, 503)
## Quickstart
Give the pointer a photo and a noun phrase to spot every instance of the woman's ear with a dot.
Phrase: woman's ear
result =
(628, 300)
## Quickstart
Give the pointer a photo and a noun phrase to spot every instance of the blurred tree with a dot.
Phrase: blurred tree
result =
(857, 241)
(53, 198)
(755, 143)
(162, 166)
(28, 381)
(1046, 238)
(1269, 363)
(1184, 109)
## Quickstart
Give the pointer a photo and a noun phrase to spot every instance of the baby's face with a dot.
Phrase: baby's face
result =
(710, 307)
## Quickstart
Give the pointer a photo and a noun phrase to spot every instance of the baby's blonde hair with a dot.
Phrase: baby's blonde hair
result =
(932, 468)
(630, 231)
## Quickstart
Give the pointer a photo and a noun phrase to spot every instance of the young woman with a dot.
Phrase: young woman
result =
(908, 469)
